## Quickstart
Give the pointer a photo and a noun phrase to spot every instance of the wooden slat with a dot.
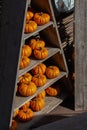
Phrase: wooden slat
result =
(81, 54)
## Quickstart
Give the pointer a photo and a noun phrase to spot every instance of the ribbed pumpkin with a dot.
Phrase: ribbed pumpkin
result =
(26, 105)
(27, 89)
(29, 15)
(24, 62)
(14, 125)
(41, 53)
(52, 72)
(30, 26)
(42, 94)
(41, 18)
(39, 69)
(26, 78)
(37, 104)
(36, 43)
(39, 80)
(53, 90)
(26, 51)
(25, 114)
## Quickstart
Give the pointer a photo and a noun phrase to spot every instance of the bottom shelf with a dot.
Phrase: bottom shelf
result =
(51, 103)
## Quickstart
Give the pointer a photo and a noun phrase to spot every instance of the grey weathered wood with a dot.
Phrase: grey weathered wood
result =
(81, 54)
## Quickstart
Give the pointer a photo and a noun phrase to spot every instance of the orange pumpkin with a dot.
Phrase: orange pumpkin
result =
(26, 78)
(26, 105)
(39, 80)
(52, 71)
(29, 15)
(36, 43)
(13, 125)
(39, 69)
(37, 104)
(53, 90)
(42, 94)
(15, 113)
(30, 27)
(41, 53)
(26, 51)
(25, 114)
(24, 62)
(41, 18)
(27, 89)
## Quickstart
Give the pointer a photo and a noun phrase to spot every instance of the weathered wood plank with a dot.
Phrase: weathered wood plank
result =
(81, 54)
(11, 26)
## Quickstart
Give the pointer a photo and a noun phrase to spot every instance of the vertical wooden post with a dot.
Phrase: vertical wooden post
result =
(11, 26)
(81, 54)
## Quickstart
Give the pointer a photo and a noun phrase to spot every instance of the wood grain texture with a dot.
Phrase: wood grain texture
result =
(81, 54)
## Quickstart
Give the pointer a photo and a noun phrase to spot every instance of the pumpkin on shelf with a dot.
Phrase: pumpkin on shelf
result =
(41, 53)
(52, 72)
(29, 15)
(37, 104)
(42, 94)
(53, 90)
(14, 125)
(36, 43)
(26, 78)
(25, 114)
(30, 26)
(24, 62)
(15, 113)
(27, 89)
(39, 80)
(41, 18)
(26, 105)
(39, 69)
(26, 51)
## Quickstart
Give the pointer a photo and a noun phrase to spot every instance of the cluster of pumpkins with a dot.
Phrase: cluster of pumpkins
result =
(35, 47)
(26, 111)
(33, 20)
(30, 81)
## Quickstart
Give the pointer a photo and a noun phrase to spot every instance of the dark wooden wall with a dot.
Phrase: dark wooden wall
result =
(81, 54)
(11, 26)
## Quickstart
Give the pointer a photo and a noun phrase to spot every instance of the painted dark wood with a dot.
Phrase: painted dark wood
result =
(11, 26)
(81, 55)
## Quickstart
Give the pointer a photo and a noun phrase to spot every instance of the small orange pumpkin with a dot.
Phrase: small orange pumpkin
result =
(29, 15)
(26, 105)
(36, 43)
(42, 94)
(41, 18)
(14, 125)
(39, 69)
(37, 104)
(24, 62)
(26, 78)
(25, 114)
(39, 80)
(52, 71)
(41, 53)
(30, 27)
(53, 90)
(15, 113)
(26, 51)
(27, 89)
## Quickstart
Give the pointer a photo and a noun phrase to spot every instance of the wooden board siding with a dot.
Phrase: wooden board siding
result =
(11, 25)
(81, 54)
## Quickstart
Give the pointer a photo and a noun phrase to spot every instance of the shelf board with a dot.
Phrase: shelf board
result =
(50, 104)
(19, 100)
(34, 62)
(40, 28)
